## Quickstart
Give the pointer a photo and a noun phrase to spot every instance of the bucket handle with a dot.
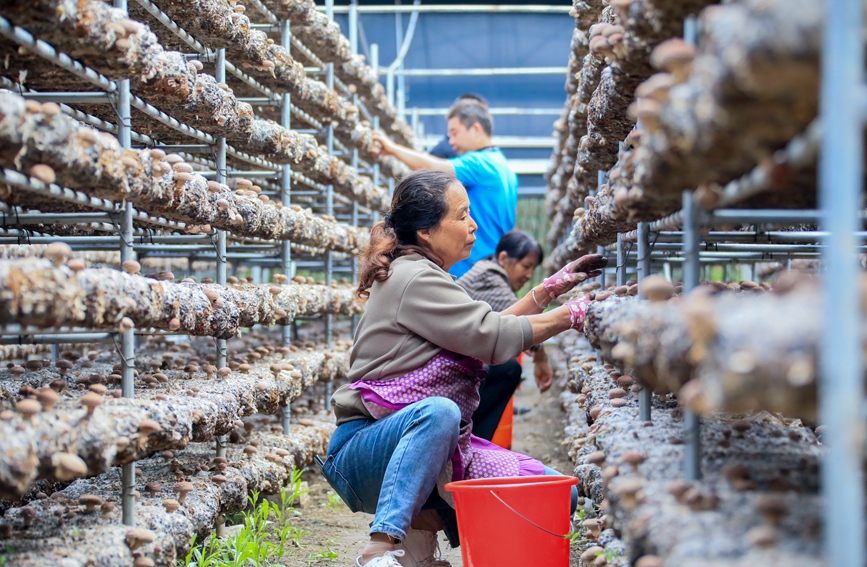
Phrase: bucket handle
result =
(526, 519)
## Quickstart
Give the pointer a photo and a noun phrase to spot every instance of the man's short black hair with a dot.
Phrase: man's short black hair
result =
(470, 112)
(472, 96)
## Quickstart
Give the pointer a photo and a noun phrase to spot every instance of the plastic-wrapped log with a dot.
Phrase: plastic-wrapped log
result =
(649, 341)
(102, 539)
(82, 158)
(753, 86)
(36, 292)
(164, 78)
(14, 352)
(217, 24)
(323, 38)
(748, 352)
(111, 431)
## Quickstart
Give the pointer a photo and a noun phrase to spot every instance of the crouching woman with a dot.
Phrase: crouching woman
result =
(404, 422)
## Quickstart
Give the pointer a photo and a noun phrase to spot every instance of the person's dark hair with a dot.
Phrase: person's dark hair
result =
(517, 244)
(471, 97)
(419, 203)
(469, 112)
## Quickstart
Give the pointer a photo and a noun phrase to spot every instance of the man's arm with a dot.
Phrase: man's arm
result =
(412, 158)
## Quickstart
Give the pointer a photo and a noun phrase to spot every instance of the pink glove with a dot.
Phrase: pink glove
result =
(577, 310)
(573, 273)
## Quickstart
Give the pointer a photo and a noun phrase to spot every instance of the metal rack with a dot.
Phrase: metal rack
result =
(207, 152)
(682, 238)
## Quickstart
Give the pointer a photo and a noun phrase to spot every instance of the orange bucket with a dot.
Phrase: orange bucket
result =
(514, 521)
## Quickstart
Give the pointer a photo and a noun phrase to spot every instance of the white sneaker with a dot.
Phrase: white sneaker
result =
(422, 550)
(387, 560)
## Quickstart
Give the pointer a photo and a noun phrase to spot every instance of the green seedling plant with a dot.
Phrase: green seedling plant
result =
(334, 503)
(265, 535)
(326, 554)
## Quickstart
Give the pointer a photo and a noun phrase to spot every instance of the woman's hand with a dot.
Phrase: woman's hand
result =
(577, 311)
(543, 374)
(381, 144)
(573, 273)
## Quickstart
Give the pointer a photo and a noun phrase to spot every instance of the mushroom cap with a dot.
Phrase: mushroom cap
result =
(171, 505)
(672, 53)
(147, 426)
(142, 561)
(47, 397)
(596, 458)
(90, 500)
(68, 466)
(218, 479)
(762, 536)
(633, 458)
(91, 401)
(184, 486)
(153, 487)
(136, 537)
(58, 252)
(63, 363)
(770, 505)
(656, 288)
(28, 407)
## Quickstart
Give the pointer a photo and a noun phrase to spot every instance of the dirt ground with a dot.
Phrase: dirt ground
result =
(336, 536)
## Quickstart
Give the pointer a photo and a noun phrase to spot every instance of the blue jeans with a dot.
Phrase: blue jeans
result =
(389, 467)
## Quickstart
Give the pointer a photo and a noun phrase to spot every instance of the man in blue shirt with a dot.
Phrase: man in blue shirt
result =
(480, 166)
(443, 149)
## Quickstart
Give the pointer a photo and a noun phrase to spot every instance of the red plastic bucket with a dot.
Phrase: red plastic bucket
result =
(520, 521)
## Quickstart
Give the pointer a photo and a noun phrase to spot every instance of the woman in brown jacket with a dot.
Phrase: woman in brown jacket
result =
(404, 422)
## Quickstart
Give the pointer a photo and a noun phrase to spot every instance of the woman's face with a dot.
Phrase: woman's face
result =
(452, 240)
(520, 271)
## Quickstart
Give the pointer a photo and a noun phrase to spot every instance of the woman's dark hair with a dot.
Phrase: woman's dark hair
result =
(517, 244)
(419, 203)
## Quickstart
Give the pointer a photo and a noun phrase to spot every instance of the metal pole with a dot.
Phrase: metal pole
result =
(353, 27)
(644, 394)
(355, 224)
(600, 181)
(691, 270)
(621, 262)
(841, 386)
(286, 196)
(329, 209)
(222, 352)
(127, 384)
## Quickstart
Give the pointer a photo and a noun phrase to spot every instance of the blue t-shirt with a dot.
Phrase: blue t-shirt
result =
(493, 192)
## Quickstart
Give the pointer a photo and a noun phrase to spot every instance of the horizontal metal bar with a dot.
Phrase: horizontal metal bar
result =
(502, 111)
(260, 101)
(70, 97)
(112, 241)
(266, 28)
(182, 148)
(720, 216)
(471, 72)
(453, 9)
(251, 174)
(12, 219)
(55, 339)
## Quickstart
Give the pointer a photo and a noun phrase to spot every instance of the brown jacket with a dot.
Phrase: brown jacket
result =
(418, 311)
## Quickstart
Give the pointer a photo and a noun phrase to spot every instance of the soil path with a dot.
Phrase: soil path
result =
(339, 534)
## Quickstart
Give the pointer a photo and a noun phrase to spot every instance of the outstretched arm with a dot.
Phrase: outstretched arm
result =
(412, 158)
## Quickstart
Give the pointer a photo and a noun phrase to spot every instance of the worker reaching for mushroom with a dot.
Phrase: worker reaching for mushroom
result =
(405, 420)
